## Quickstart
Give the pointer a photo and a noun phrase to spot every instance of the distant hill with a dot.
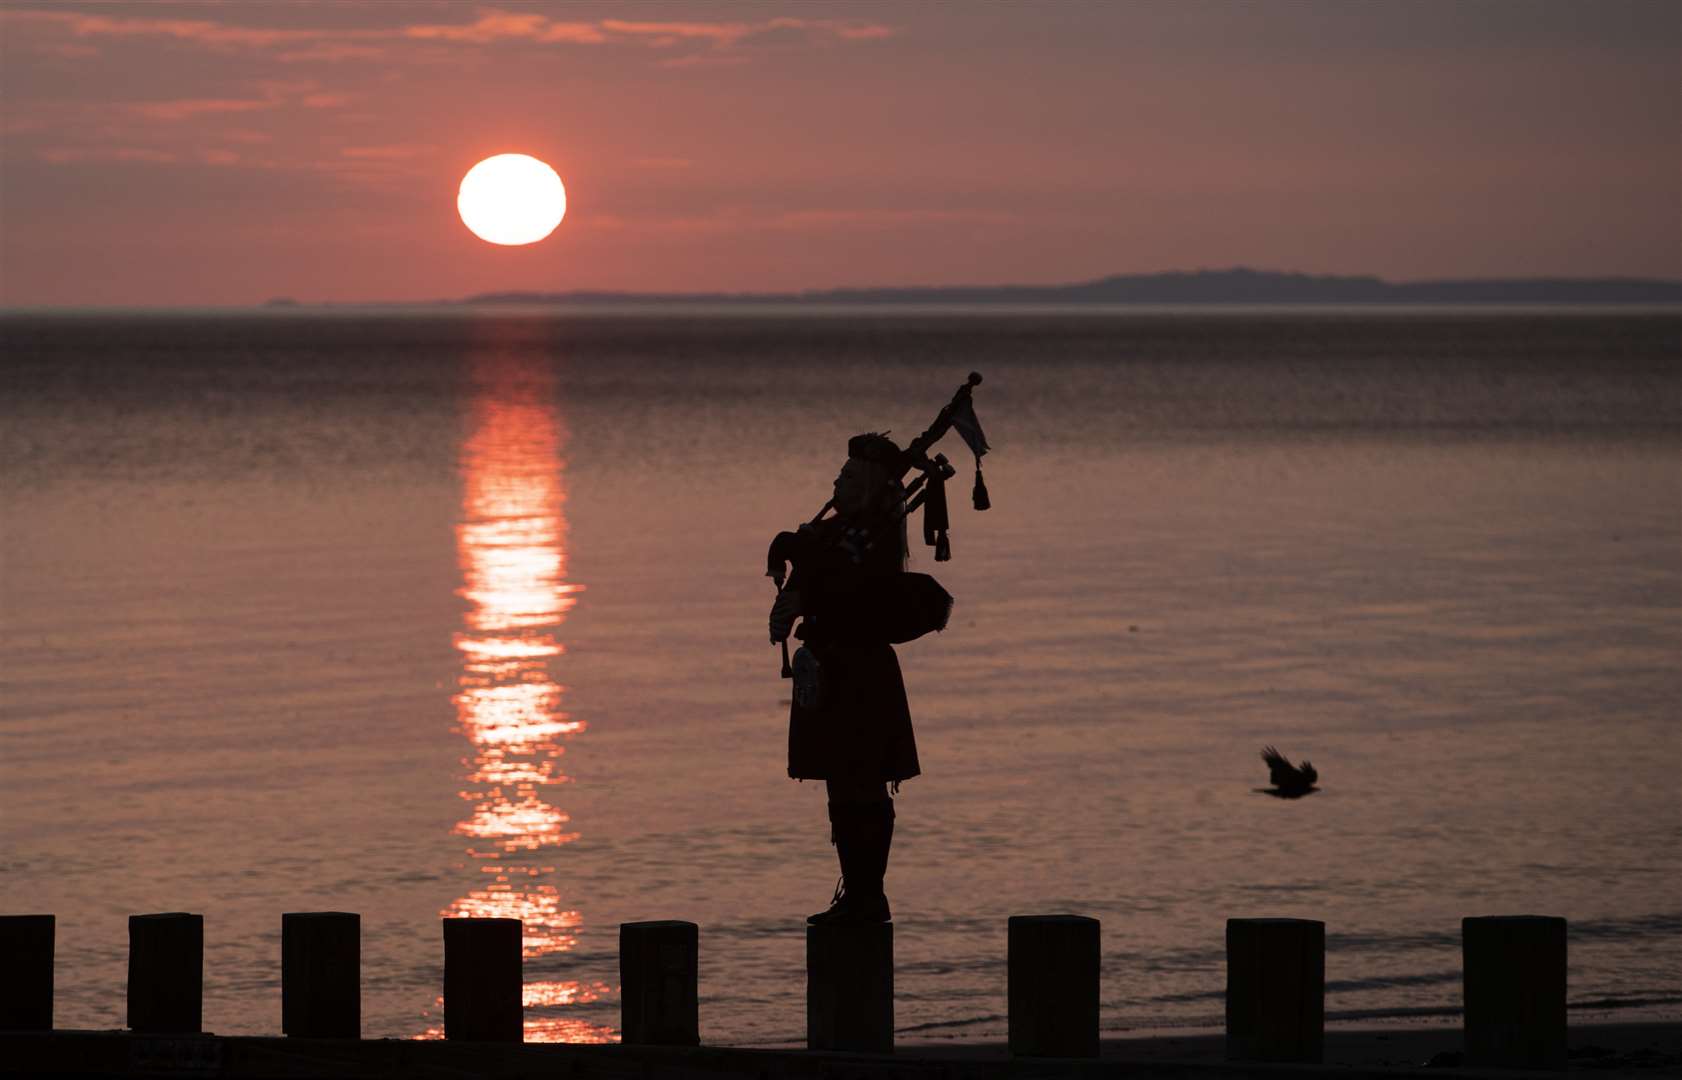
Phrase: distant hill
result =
(1236, 286)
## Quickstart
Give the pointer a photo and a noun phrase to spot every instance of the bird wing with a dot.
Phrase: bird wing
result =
(1308, 773)
(1279, 769)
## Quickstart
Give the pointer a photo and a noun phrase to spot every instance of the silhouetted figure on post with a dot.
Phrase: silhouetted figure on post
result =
(849, 723)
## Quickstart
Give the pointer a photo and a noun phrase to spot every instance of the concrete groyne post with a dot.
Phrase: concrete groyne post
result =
(658, 978)
(26, 990)
(483, 991)
(850, 987)
(321, 974)
(1514, 972)
(166, 973)
(1052, 985)
(1275, 990)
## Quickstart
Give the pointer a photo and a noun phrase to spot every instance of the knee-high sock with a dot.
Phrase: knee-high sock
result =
(884, 841)
(844, 834)
(870, 827)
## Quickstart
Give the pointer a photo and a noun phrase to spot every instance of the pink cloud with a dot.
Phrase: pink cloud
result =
(332, 52)
(70, 155)
(846, 30)
(494, 25)
(399, 152)
(720, 33)
(68, 50)
(579, 33)
(747, 220)
(865, 32)
(490, 26)
(728, 34)
(866, 219)
(275, 93)
(704, 60)
(202, 31)
(186, 108)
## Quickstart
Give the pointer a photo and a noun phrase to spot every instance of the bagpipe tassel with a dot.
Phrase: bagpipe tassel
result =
(942, 548)
(982, 502)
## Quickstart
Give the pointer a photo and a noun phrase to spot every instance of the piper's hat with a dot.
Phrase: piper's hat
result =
(875, 447)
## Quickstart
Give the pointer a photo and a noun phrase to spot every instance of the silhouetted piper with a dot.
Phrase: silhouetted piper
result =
(849, 721)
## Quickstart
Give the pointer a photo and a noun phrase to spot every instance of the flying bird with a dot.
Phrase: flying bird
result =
(1289, 781)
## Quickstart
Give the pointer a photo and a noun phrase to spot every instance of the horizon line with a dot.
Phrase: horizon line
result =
(994, 296)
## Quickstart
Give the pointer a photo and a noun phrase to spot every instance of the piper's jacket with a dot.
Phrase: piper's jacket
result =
(861, 729)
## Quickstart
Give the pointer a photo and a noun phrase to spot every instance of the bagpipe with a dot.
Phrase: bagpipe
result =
(911, 604)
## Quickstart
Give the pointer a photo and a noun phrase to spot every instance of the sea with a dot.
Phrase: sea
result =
(439, 612)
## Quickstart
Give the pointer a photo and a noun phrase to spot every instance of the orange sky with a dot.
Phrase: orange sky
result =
(164, 154)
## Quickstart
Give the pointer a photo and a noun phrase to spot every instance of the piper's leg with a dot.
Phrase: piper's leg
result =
(862, 814)
(876, 833)
(855, 813)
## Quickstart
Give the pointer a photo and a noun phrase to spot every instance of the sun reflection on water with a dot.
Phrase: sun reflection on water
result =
(511, 547)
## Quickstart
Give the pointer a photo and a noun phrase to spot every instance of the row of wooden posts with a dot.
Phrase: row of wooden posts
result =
(1514, 980)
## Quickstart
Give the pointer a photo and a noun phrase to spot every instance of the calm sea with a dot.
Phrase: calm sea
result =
(420, 615)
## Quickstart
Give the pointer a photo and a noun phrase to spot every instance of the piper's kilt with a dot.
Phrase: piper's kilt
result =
(861, 729)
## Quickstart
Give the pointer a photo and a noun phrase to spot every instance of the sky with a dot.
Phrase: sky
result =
(226, 153)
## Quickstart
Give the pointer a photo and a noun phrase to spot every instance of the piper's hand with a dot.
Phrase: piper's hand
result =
(783, 614)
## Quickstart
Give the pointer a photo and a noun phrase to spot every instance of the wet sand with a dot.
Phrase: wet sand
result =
(1603, 1047)
(1606, 1050)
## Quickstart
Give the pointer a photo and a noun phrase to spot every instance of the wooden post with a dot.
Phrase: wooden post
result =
(321, 974)
(26, 990)
(658, 996)
(850, 987)
(483, 991)
(1514, 971)
(166, 973)
(1052, 985)
(1275, 990)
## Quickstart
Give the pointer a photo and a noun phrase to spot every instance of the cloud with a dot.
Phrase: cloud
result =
(718, 33)
(65, 155)
(705, 60)
(882, 219)
(735, 220)
(332, 52)
(201, 31)
(397, 152)
(68, 50)
(733, 33)
(185, 108)
(863, 32)
(274, 94)
(490, 25)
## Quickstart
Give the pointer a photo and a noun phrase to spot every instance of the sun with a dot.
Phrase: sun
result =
(511, 199)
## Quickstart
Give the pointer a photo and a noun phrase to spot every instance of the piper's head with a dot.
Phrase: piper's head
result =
(869, 485)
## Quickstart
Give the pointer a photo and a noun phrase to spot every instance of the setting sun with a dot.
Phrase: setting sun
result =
(511, 199)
